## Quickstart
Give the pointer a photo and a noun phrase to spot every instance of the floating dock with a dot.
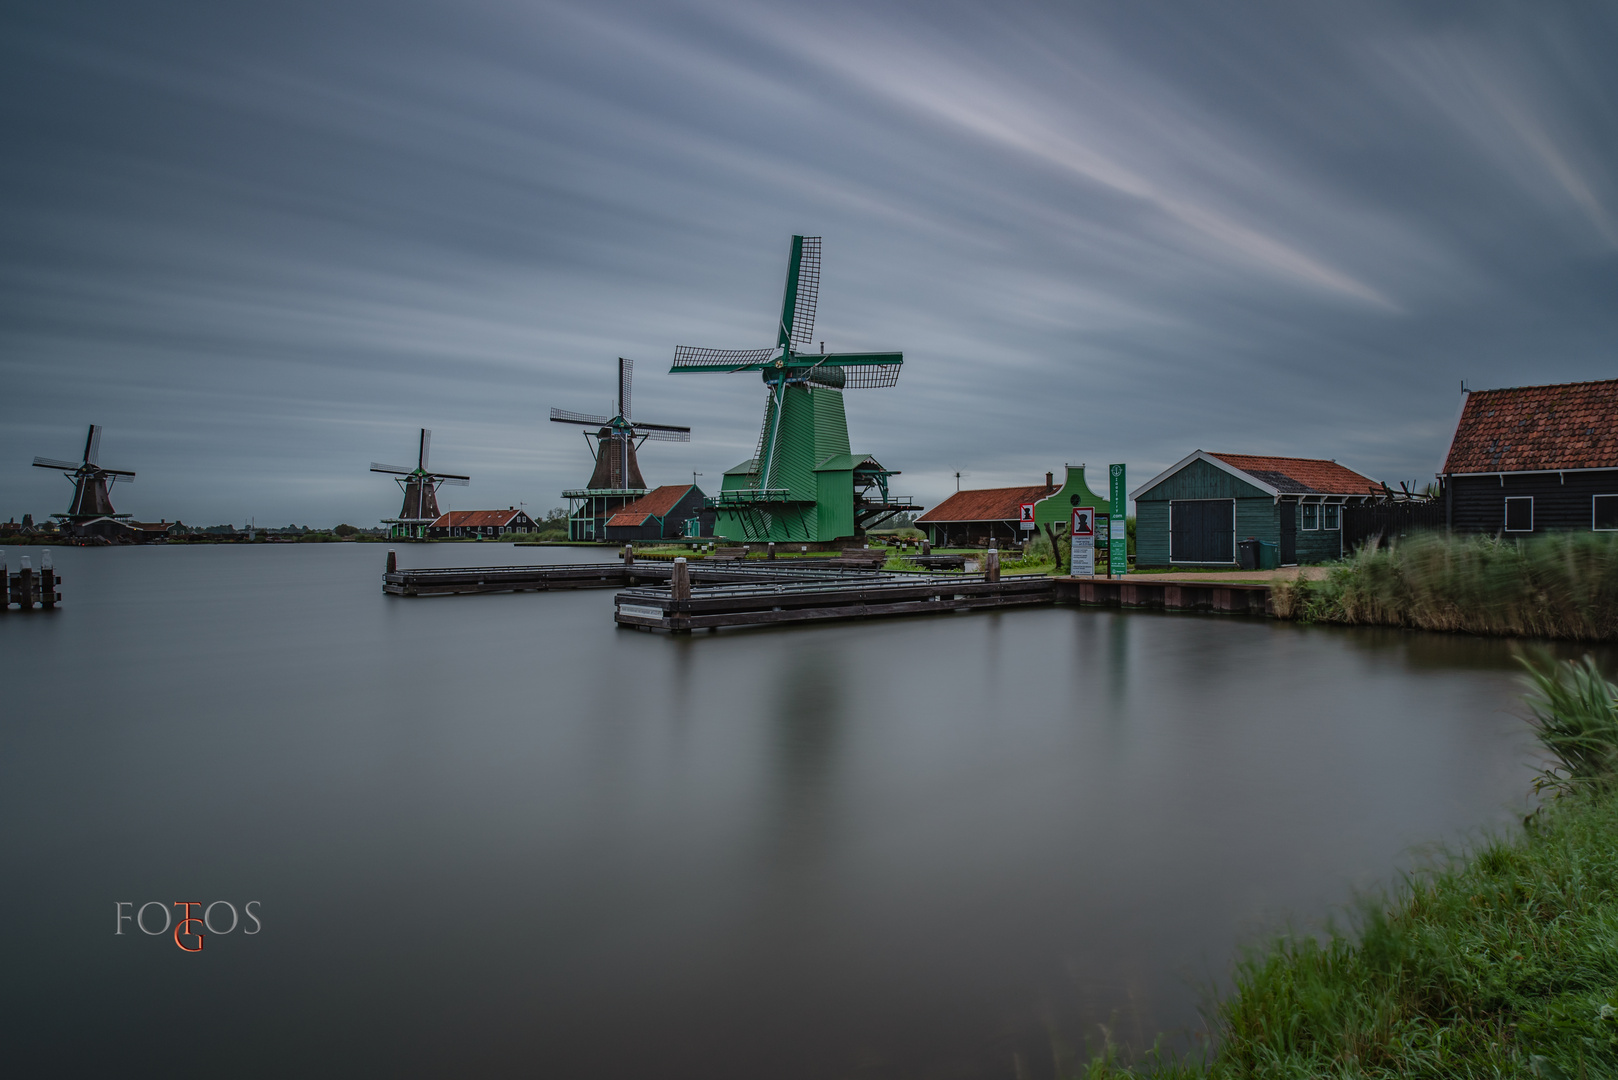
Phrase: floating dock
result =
(761, 603)
(495, 579)
(682, 596)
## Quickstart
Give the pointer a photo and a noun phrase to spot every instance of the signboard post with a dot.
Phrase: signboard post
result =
(1117, 499)
(1026, 520)
(1082, 562)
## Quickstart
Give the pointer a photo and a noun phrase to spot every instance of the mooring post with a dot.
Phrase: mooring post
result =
(47, 580)
(926, 547)
(5, 583)
(629, 554)
(393, 561)
(25, 585)
(680, 582)
(771, 553)
(991, 565)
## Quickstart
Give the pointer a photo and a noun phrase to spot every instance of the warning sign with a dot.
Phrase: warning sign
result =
(1027, 519)
(1082, 558)
(1084, 521)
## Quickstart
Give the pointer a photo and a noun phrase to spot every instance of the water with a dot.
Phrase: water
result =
(495, 835)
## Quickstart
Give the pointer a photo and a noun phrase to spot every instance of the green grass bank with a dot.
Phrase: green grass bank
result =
(1563, 585)
(1499, 963)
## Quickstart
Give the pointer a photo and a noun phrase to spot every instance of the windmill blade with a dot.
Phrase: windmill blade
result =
(568, 416)
(122, 477)
(802, 293)
(688, 358)
(116, 472)
(426, 444)
(454, 481)
(665, 435)
(859, 371)
(92, 444)
(663, 427)
(626, 374)
(54, 463)
(377, 466)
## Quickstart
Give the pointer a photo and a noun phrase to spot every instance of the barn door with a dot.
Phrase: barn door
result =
(1202, 531)
(1289, 532)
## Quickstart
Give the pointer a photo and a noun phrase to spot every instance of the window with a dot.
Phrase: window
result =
(1604, 513)
(1520, 513)
(1311, 516)
(1332, 517)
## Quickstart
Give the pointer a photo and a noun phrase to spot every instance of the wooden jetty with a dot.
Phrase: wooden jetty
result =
(494, 579)
(759, 603)
(682, 596)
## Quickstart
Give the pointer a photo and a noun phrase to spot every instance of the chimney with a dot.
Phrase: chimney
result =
(1050, 482)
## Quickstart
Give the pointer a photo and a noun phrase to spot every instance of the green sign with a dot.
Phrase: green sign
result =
(1118, 544)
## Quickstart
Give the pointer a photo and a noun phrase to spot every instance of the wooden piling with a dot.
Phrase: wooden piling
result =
(629, 554)
(25, 586)
(47, 580)
(991, 565)
(680, 581)
(393, 561)
(771, 553)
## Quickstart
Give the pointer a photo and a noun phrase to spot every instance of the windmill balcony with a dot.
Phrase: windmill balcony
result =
(596, 493)
(744, 496)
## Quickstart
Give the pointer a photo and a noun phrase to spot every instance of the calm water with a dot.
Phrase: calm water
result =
(496, 836)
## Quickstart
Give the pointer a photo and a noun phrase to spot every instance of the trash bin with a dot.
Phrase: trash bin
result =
(1269, 555)
(1247, 553)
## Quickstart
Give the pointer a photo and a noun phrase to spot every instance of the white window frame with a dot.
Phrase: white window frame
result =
(1304, 516)
(1337, 510)
(1506, 523)
(1593, 498)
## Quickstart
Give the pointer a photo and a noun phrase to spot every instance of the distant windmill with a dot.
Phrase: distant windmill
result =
(420, 488)
(90, 480)
(616, 480)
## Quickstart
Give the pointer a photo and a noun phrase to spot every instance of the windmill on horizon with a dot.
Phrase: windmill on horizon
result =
(616, 480)
(91, 499)
(420, 486)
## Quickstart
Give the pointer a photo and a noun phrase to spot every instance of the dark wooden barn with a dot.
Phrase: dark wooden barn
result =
(481, 523)
(661, 514)
(1534, 459)
(1195, 512)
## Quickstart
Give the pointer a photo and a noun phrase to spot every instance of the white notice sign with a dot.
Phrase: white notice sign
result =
(1084, 556)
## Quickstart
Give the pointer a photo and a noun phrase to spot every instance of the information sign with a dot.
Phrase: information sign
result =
(1117, 499)
(1027, 520)
(1082, 562)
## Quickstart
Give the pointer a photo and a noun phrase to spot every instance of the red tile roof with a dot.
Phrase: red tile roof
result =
(475, 519)
(655, 503)
(1522, 428)
(986, 504)
(1301, 476)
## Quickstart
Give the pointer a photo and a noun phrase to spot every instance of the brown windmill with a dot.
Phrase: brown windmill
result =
(420, 486)
(91, 498)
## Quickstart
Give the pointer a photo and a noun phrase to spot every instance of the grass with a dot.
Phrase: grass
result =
(1501, 963)
(1562, 585)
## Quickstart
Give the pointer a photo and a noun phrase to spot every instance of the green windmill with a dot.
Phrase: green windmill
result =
(803, 483)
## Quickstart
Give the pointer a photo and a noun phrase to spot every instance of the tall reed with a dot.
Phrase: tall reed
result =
(1562, 585)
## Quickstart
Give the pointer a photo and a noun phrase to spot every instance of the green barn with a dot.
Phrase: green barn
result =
(1195, 512)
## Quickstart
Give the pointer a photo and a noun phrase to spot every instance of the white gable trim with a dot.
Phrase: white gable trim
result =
(1222, 466)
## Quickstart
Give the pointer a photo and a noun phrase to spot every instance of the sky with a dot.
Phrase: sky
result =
(263, 244)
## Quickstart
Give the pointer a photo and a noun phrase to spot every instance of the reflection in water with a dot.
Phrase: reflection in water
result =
(495, 835)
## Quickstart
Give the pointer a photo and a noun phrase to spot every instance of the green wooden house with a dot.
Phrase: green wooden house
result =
(1196, 512)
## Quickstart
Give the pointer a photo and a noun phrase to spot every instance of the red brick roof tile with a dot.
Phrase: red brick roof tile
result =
(1522, 428)
(1301, 476)
(655, 503)
(986, 504)
(475, 519)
